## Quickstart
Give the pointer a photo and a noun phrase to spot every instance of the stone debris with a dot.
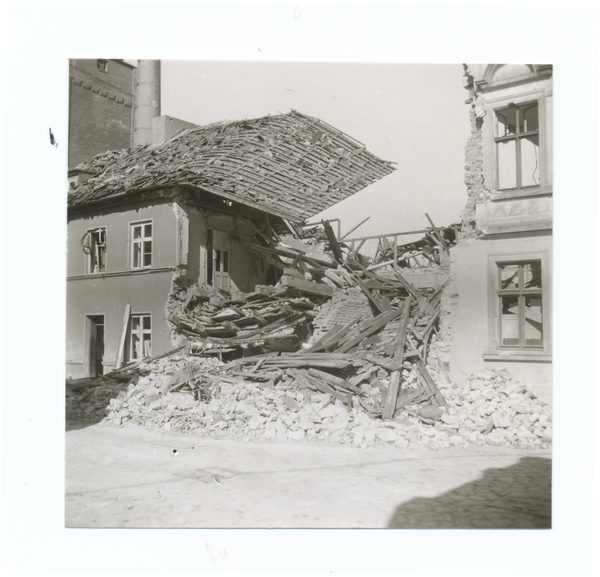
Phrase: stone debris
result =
(489, 408)
(380, 378)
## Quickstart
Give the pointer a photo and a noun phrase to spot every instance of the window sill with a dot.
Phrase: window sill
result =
(523, 193)
(514, 356)
(137, 271)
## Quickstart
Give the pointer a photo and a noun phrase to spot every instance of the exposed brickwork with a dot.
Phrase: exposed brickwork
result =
(345, 306)
(100, 109)
(474, 177)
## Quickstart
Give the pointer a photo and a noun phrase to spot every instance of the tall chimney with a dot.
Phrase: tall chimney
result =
(147, 100)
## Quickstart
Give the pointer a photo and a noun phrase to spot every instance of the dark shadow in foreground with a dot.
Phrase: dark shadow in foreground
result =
(515, 497)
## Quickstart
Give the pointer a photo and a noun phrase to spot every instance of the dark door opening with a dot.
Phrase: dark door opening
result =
(94, 345)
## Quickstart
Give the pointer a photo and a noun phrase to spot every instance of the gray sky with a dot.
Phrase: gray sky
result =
(411, 114)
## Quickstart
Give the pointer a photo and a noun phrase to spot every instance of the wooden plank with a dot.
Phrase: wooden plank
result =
(318, 345)
(410, 396)
(378, 322)
(345, 398)
(355, 227)
(408, 286)
(306, 286)
(333, 243)
(390, 401)
(333, 380)
(429, 383)
(121, 351)
(379, 306)
(438, 234)
(392, 396)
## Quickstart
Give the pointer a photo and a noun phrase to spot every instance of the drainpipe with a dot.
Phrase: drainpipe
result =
(147, 100)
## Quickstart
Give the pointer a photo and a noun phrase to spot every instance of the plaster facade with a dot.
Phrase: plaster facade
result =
(501, 321)
(178, 257)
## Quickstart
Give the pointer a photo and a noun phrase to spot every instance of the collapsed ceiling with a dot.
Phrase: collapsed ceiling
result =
(291, 165)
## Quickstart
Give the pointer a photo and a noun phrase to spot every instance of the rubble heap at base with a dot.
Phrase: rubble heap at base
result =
(491, 408)
(366, 367)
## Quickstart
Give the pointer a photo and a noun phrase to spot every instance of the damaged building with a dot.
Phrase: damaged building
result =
(147, 222)
(501, 271)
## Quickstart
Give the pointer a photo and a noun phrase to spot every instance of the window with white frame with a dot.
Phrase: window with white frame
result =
(517, 141)
(94, 247)
(521, 306)
(141, 244)
(140, 337)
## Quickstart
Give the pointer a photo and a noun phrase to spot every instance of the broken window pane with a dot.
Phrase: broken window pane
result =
(510, 320)
(217, 260)
(518, 157)
(137, 232)
(137, 255)
(529, 118)
(533, 321)
(510, 276)
(135, 346)
(225, 261)
(507, 164)
(530, 165)
(506, 122)
(521, 321)
(532, 275)
(95, 249)
(141, 336)
(147, 346)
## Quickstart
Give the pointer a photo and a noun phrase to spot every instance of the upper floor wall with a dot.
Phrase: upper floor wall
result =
(509, 154)
(162, 234)
(139, 238)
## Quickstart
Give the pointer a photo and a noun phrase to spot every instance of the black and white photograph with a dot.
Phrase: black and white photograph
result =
(302, 286)
(296, 295)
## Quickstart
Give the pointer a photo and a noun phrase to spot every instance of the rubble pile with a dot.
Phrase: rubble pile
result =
(253, 367)
(269, 319)
(186, 394)
(424, 252)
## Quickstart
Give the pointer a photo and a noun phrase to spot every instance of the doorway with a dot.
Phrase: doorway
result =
(217, 248)
(94, 346)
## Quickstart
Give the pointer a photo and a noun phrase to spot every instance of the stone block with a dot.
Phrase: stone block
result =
(296, 435)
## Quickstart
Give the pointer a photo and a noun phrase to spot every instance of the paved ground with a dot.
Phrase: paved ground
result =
(136, 477)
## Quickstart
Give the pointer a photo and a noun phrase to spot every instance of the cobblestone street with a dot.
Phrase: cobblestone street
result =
(135, 477)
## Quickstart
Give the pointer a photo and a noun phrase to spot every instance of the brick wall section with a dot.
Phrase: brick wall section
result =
(345, 306)
(474, 179)
(100, 109)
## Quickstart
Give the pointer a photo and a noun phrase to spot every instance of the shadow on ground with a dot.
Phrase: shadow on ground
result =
(515, 497)
(75, 424)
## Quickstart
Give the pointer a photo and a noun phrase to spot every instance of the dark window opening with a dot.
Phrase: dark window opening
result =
(94, 246)
(102, 65)
(209, 259)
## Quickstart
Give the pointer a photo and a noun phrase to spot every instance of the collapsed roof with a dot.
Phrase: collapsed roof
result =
(291, 165)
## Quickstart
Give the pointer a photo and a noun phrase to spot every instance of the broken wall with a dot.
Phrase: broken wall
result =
(474, 169)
